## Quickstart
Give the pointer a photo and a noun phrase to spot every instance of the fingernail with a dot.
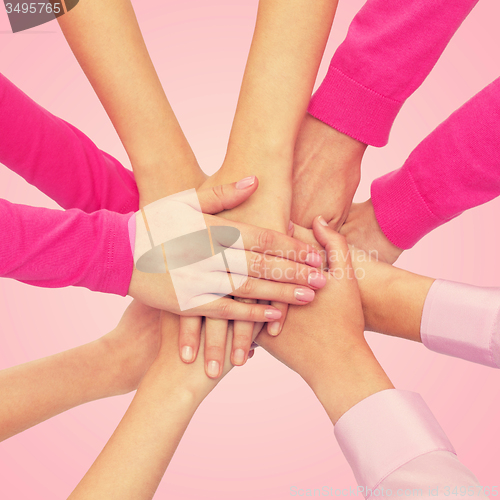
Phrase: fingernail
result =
(272, 314)
(313, 259)
(273, 328)
(322, 221)
(239, 356)
(246, 182)
(213, 369)
(304, 294)
(187, 354)
(317, 280)
(290, 225)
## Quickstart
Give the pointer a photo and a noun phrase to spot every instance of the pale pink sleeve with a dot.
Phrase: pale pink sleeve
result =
(392, 440)
(59, 159)
(56, 248)
(463, 321)
(389, 50)
(455, 168)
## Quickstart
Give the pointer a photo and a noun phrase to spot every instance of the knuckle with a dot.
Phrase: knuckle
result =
(225, 309)
(266, 239)
(248, 287)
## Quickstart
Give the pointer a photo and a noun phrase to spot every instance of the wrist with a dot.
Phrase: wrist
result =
(344, 384)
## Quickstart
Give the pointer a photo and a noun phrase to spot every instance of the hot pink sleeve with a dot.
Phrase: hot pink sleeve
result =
(389, 50)
(455, 168)
(392, 440)
(463, 321)
(59, 159)
(56, 248)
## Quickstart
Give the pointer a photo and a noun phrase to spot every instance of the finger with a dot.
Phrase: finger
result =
(189, 337)
(267, 241)
(337, 250)
(275, 327)
(242, 338)
(253, 288)
(226, 196)
(226, 308)
(215, 346)
(291, 229)
(272, 268)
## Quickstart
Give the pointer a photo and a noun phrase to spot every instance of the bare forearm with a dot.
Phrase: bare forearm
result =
(36, 391)
(106, 39)
(286, 51)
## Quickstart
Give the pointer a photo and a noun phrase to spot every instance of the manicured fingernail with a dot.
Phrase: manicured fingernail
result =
(246, 182)
(290, 226)
(304, 294)
(313, 259)
(239, 356)
(213, 369)
(187, 354)
(273, 328)
(322, 221)
(272, 314)
(317, 280)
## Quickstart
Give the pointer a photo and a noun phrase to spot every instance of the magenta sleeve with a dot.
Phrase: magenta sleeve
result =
(455, 168)
(56, 248)
(59, 159)
(390, 48)
(463, 321)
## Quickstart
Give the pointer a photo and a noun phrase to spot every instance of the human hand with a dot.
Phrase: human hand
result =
(326, 173)
(266, 210)
(157, 290)
(362, 230)
(324, 341)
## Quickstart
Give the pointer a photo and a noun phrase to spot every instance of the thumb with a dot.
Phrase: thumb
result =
(337, 250)
(219, 198)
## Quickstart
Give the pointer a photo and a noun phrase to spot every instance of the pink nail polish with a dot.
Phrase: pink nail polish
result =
(317, 280)
(246, 182)
(304, 294)
(239, 357)
(213, 369)
(313, 259)
(273, 328)
(272, 314)
(290, 225)
(322, 221)
(187, 354)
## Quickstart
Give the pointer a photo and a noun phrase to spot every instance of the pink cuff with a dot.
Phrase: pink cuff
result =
(401, 211)
(463, 321)
(385, 431)
(354, 109)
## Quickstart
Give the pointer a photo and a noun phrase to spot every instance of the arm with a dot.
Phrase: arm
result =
(390, 438)
(134, 460)
(388, 52)
(459, 156)
(108, 44)
(114, 364)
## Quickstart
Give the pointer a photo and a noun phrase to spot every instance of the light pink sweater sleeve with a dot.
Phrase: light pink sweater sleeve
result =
(389, 50)
(455, 168)
(392, 441)
(53, 248)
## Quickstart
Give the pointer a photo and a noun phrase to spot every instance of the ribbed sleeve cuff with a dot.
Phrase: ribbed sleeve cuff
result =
(354, 109)
(117, 263)
(385, 431)
(463, 321)
(400, 210)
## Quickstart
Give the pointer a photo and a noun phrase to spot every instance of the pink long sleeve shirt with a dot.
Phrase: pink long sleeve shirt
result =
(86, 245)
(389, 50)
(394, 444)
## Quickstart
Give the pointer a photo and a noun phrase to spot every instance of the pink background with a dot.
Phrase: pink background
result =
(261, 431)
